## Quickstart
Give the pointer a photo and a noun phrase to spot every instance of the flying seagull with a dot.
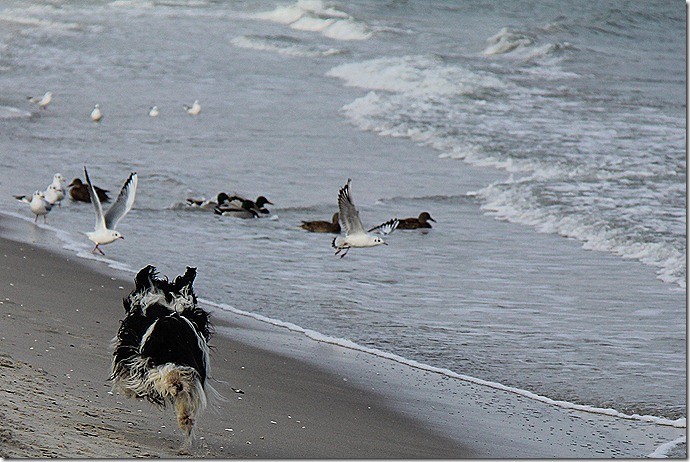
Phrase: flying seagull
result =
(355, 236)
(104, 232)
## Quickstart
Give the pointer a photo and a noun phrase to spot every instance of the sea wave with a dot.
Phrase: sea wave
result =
(9, 112)
(283, 45)
(315, 16)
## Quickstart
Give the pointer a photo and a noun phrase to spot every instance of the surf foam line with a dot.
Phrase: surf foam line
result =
(663, 451)
(319, 337)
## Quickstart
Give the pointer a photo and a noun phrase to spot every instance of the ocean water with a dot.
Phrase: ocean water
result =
(547, 141)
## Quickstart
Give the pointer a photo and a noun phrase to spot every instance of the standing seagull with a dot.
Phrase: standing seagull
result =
(153, 111)
(105, 224)
(38, 204)
(355, 236)
(55, 192)
(96, 114)
(194, 110)
(43, 101)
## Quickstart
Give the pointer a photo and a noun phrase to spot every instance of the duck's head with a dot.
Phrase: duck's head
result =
(424, 216)
(222, 197)
(261, 201)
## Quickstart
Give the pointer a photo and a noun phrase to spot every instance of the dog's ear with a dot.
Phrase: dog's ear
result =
(185, 281)
(145, 278)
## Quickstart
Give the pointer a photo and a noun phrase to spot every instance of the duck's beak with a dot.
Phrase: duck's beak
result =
(71, 184)
(431, 219)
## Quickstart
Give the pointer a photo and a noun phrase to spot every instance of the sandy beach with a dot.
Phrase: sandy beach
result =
(288, 396)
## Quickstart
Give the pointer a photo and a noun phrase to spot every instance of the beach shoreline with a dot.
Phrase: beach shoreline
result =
(301, 398)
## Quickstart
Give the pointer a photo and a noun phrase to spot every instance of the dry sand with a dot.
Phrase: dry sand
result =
(301, 398)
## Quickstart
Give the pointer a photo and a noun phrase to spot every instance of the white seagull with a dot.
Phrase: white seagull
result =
(38, 204)
(44, 100)
(55, 192)
(105, 224)
(194, 110)
(153, 111)
(96, 114)
(355, 236)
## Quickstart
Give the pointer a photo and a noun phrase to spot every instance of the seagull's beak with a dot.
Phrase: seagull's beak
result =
(384, 242)
(122, 237)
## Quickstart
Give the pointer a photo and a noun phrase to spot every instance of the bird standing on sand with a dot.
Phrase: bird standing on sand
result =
(80, 192)
(153, 111)
(38, 204)
(195, 109)
(323, 226)
(96, 114)
(104, 232)
(55, 192)
(43, 101)
(355, 236)
(408, 223)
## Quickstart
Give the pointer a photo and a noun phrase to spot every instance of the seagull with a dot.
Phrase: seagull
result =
(322, 226)
(38, 204)
(355, 236)
(80, 191)
(43, 101)
(194, 110)
(153, 111)
(96, 114)
(422, 221)
(55, 192)
(104, 232)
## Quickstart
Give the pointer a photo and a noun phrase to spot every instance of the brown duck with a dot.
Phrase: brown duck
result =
(322, 226)
(80, 192)
(415, 223)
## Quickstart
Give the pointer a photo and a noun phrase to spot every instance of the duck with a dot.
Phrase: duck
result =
(259, 205)
(247, 209)
(422, 221)
(323, 226)
(206, 204)
(79, 191)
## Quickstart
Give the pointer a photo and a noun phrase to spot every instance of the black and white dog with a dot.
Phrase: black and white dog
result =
(161, 350)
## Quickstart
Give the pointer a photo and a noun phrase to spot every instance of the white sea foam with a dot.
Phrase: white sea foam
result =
(663, 451)
(314, 16)
(507, 40)
(9, 112)
(283, 45)
(414, 75)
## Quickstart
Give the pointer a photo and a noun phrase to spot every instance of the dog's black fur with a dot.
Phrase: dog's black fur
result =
(161, 348)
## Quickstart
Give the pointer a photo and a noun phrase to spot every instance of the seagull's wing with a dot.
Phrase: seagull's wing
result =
(100, 221)
(124, 202)
(387, 227)
(349, 216)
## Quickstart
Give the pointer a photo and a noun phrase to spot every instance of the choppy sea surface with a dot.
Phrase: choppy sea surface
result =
(546, 139)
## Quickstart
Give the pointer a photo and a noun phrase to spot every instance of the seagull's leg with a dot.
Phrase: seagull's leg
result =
(36, 219)
(44, 218)
(97, 249)
(347, 249)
